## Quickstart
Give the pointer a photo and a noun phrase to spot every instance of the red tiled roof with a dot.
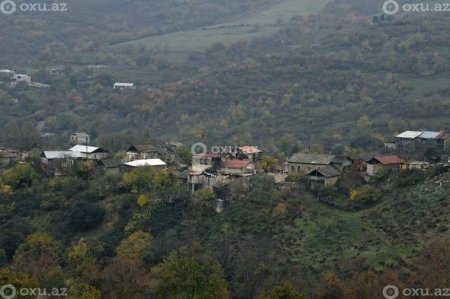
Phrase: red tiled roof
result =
(249, 149)
(235, 163)
(389, 160)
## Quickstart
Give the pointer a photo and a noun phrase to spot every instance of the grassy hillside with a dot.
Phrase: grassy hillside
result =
(83, 32)
(255, 25)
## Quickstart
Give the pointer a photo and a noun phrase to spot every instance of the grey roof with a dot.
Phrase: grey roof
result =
(311, 159)
(111, 163)
(81, 134)
(142, 148)
(409, 135)
(429, 135)
(87, 149)
(326, 171)
(61, 155)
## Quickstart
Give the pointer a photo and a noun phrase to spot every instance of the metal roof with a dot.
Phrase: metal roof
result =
(388, 160)
(409, 134)
(311, 158)
(250, 149)
(124, 84)
(84, 149)
(326, 171)
(429, 135)
(146, 162)
(61, 155)
(235, 163)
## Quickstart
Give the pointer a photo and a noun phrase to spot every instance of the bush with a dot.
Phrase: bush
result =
(205, 194)
(295, 177)
(365, 194)
(83, 216)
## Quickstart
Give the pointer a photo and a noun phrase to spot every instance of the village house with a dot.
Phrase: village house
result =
(322, 177)
(90, 152)
(142, 152)
(206, 161)
(419, 165)
(304, 163)
(80, 138)
(252, 153)
(237, 167)
(17, 78)
(410, 138)
(381, 163)
(123, 86)
(110, 166)
(57, 72)
(156, 163)
(8, 156)
(59, 162)
(203, 179)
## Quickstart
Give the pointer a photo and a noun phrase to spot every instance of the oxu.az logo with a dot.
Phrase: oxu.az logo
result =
(8, 7)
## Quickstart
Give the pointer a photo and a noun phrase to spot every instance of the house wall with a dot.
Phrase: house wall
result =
(303, 167)
(79, 140)
(331, 181)
(5, 161)
(97, 156)
(373, 168)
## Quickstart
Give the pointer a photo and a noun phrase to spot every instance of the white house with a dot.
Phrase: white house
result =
(158, 163)
(121, 86)
(80, 138)
(21, 78)
(59, 162)
(91, 152)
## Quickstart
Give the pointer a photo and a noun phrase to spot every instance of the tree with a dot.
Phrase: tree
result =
(205, 194)
(125, 277)
(20, 174)
(365, 194)
(137, 245)
(150, 180)
(331, 287)
(284, 290)
(40, 257)
(367, 285)
(18, 279)
(83, 216)
(82, 291)
(183, 275)
(267, 164)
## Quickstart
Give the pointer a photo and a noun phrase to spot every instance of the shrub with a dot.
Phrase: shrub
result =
(83, 216)
(365, 194)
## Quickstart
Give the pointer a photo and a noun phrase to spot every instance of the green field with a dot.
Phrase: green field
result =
(182, 43)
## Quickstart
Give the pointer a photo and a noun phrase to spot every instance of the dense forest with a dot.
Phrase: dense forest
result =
(141, 234)
(370, 78)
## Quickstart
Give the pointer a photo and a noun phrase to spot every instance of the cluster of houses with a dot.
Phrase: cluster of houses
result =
(220, 170)
(62, 162)
(409, 139)
(15, 79)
